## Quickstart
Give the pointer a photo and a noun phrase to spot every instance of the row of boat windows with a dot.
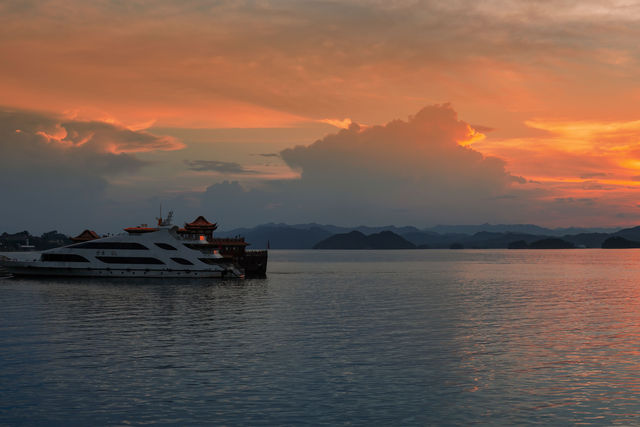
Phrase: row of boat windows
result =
(129, 260)
(63, 258)
(165, 246)
(121, 245)
(123, 260)
(110, 245)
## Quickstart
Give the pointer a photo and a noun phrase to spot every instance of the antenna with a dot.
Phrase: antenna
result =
(160, 217)
(164, 222)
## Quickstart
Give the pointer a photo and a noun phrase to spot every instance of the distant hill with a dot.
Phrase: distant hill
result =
(587, 240)
(432, 239)
(493, 228)
(357, 240)
(518, 244)
(495, 240)
(629, 233)
(483, 236)
(306, 236)
(548, 243)
(618, 242)
(551, 243)
(516, 228)
(279, 236)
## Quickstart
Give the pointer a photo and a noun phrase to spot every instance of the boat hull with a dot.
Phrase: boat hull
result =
(17, 269)
(254, 263)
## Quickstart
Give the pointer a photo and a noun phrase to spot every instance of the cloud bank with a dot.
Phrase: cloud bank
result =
(273, 62)
(424, 170)
(54, 170)
(218, 166)
(416, 171)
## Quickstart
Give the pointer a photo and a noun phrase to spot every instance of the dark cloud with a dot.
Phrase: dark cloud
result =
(107, 137)
(576, 200)
(483, 129)
(595, 185)
(590, 175)
(269, 154)
(36, 143)
(58, 172)
(217, 166)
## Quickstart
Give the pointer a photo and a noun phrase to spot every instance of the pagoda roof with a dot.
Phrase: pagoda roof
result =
(201, 222)
(85, 236)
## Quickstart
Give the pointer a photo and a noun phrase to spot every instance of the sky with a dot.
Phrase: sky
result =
(347, 112)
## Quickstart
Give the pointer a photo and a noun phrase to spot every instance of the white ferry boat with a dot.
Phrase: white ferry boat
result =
(162, 251)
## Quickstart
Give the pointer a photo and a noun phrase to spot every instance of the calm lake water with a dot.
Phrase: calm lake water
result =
(334, 337)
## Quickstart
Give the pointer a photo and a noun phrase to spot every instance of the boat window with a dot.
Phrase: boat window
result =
(63, 258)
(165, 246)
(129, 260)
(109, 245)
(195, 246)
(182, 261)
(214, 261)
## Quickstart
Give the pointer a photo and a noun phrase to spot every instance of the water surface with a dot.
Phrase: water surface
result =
(334, 337)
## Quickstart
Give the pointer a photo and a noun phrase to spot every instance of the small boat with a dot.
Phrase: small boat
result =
(162, 251)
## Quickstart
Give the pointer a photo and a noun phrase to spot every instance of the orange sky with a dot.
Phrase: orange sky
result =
(553, 86)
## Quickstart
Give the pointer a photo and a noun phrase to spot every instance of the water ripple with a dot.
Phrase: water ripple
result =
(334, 337)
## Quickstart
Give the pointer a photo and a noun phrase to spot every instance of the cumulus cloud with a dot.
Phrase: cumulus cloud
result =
(61, 169)
(406, 171)
(218, 166)
(426, 150)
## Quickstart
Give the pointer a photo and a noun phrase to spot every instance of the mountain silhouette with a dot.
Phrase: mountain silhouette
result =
(358, 240)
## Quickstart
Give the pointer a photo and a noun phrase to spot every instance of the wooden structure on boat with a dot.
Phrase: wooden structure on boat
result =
(235, 249)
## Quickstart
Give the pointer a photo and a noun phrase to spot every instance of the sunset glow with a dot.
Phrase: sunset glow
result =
(545, 92)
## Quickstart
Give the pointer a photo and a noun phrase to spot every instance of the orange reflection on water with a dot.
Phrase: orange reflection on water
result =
(562, 327)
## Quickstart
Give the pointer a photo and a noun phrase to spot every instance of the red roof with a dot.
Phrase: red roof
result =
(201, 223)
(85, 236)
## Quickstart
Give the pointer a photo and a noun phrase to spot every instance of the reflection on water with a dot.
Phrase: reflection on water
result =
(334, 337)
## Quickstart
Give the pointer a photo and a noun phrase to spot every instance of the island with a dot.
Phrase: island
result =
(358, 240)
(617, 242)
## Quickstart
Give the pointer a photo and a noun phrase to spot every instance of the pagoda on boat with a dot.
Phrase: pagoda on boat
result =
(85, 236)
(200, 230)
